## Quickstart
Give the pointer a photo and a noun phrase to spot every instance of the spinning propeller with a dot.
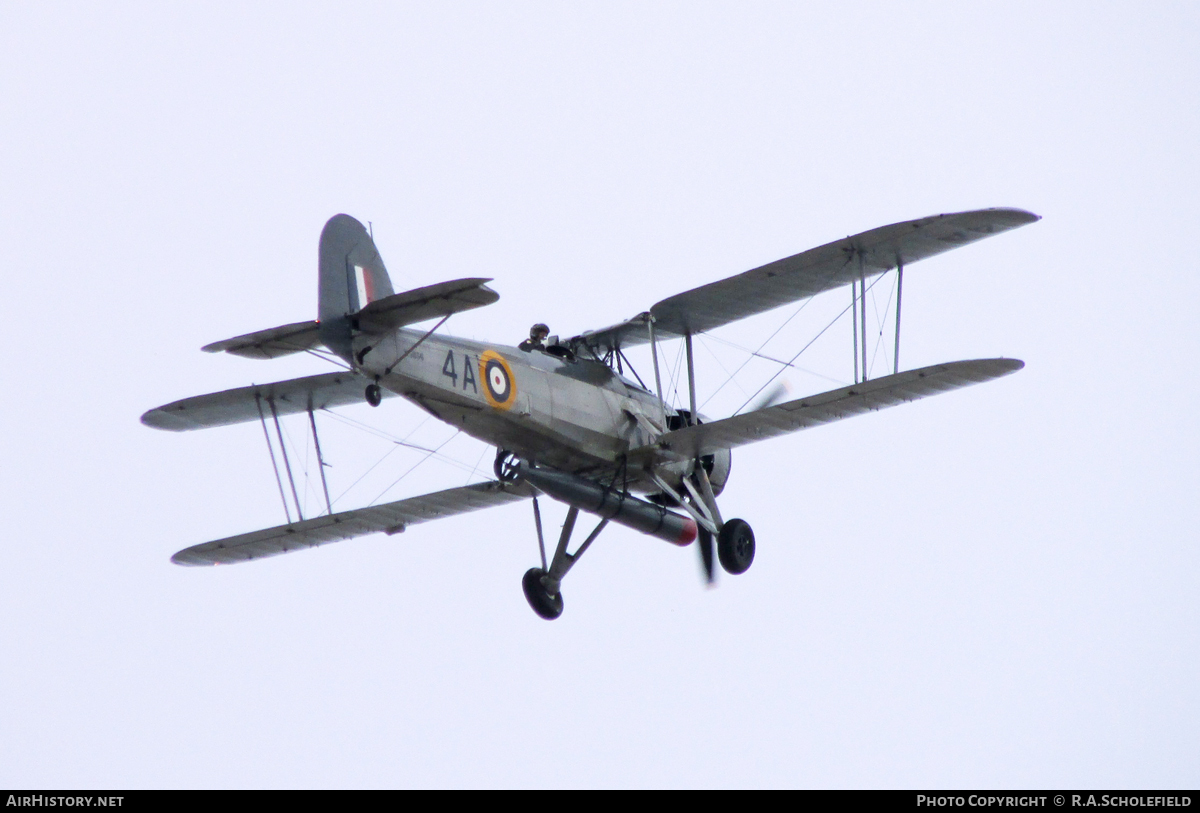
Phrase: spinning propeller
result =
(704, 540)
(772, 396)
(704, 537)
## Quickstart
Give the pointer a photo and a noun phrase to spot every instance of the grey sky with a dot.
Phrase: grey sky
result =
(996, 587)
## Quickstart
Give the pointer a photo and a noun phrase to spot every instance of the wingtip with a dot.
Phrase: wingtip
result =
(1009, 217)
(149, 418)
(158, 419)
(1000, 367)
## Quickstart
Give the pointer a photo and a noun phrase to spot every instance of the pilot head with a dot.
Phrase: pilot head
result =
(538, 333)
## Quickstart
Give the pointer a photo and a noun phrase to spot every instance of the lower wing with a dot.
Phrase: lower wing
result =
(827, 407)
(390, 518)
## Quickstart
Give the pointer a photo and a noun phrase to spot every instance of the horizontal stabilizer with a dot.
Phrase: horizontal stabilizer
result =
(270, 343)
(390, 518)
(828, 407)
(807, 274)
(388, 313)
(244, 403)
(429, 302)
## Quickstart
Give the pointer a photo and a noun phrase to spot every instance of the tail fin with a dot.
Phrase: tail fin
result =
(352, 275)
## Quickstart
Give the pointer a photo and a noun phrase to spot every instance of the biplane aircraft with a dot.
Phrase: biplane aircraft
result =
(565, 419)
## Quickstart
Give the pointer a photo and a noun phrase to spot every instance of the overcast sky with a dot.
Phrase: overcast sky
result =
(996, 587)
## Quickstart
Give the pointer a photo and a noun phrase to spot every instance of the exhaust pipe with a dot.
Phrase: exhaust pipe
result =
(612, 504)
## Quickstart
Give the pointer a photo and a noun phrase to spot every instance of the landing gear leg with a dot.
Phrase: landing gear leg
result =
(542, 585)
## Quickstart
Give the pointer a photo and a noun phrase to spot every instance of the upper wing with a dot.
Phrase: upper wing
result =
(827, 407)
(390, 518)
(808, 274)
(253, 402)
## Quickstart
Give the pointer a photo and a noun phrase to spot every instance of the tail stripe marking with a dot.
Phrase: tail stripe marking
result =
(365, 286)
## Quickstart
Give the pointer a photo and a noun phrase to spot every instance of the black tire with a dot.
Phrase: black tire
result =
(545, 605)
(735, 546)
(374, 395)
(506, 466)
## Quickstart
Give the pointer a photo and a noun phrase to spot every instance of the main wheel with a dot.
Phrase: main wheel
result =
(547, 606)
(507, 466)
(735, 546)
(374, 395)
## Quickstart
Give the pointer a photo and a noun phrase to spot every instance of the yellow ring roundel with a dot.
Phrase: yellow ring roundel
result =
(499, 383)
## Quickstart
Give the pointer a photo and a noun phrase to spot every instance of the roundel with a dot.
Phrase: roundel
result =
(499, 385)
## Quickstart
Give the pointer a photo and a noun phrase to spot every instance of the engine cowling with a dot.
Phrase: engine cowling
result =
(717, 465)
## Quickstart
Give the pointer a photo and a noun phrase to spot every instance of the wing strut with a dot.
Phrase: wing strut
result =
(687, 343)
(419, 342)
(854, 324)
(899, 291)
(286, 464)
(271, 451)
(537, 520)
(312, 421)
(858, 313)
(662, 405)
(862, 286)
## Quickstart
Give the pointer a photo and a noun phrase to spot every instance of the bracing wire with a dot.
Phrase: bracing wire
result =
(754, 353)
(737, 384)
(412, 468)
(365, 473)
(677, 402)
(383, 434)
(475, 468)
(717, 359)
(805, 347)
(327, 356)
(880, 321)
(737, 346)
(397, 443)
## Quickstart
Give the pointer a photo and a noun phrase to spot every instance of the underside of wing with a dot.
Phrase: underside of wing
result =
(807, 274)
(429, 302)
(827, 407)
(254, 402)
(389, 518)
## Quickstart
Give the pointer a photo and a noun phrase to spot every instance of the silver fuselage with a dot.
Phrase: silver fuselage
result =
(577, 416)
